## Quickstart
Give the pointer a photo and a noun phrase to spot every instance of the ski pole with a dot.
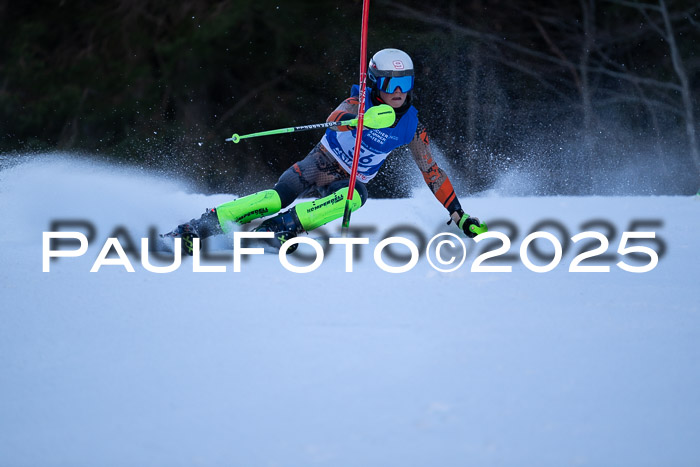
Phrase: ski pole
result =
(379, 116)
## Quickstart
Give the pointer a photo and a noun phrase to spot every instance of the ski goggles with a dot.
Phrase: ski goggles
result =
(389, 84)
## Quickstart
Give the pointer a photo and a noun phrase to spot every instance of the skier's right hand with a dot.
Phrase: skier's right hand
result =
(471, 226)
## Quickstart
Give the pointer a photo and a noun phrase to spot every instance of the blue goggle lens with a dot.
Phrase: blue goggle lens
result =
(390, 83)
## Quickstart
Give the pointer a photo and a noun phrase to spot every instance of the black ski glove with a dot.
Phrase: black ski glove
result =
(471, 226)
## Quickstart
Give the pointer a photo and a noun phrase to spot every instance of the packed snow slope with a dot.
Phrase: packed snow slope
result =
(267, 367)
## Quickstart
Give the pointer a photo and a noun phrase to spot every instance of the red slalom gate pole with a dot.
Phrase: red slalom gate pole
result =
(360, 116)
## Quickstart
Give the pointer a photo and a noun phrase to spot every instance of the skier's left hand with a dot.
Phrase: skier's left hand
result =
(471, 226)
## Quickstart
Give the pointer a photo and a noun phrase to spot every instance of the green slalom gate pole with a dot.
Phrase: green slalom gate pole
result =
(360, 118)
(380, 116)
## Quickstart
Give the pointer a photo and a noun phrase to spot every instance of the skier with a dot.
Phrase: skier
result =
(326, 169)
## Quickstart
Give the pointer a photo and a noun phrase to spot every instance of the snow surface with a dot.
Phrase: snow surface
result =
(266, 367)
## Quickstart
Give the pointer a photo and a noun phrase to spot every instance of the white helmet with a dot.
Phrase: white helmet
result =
(390, 69)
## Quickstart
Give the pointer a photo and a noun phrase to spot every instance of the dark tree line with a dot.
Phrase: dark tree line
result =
(585, 96)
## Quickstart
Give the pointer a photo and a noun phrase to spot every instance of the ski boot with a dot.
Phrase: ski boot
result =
(285, 225)
(206, 226)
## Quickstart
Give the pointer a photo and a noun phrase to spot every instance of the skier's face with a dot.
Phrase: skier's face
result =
(396, 99)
